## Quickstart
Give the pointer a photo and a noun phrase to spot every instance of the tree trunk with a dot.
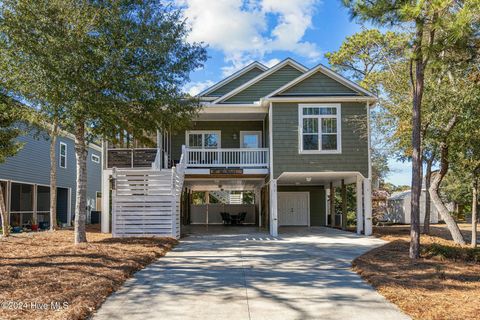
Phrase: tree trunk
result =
(474, 211)
(414, 252)
(81, 197)
(53, 177)
(437, 201)
(428, 177)
(4, 214)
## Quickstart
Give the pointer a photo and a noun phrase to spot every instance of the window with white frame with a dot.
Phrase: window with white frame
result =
(197, 139)
(62, 161)
(320, 130)
(95, 158)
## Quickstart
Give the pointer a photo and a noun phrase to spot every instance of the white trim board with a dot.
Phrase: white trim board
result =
(233, 109)
(261, 76)
(321, 99)
(232, 77)
(329, 73)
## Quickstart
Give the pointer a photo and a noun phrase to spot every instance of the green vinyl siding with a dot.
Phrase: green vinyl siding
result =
(318, 84)
(265, 86)
(235, 83)
(227, 128)
(286, 158)
(317, 202)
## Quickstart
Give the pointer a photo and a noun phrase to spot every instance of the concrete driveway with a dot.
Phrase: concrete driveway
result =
(303, 274)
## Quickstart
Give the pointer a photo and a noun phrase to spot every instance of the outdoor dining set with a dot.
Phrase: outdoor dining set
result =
(233, 219)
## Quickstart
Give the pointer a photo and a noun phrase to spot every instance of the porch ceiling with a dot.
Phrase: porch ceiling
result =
(317, 178)
(223, 184)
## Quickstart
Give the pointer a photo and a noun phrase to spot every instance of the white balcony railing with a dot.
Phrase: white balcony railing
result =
(208, 158)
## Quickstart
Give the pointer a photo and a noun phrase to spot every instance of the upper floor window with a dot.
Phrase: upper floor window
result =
(320, 128)
(95, 158)
(62, 161)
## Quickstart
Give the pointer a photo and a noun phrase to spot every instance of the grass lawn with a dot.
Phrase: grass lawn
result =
(37, 269)
(443, 284)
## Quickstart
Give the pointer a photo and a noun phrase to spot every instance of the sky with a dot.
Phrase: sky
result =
(238, 32)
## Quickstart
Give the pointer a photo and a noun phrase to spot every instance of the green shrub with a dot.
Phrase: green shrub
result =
(443, 252)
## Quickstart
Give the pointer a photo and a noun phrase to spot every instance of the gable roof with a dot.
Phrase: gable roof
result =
(330, 74)
(278, 66)
(254, 66)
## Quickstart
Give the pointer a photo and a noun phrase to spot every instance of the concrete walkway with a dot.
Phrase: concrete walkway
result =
(304, 274)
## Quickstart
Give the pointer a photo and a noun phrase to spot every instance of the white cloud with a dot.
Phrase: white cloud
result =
(270, 63)
(194, 88)
(239, 28)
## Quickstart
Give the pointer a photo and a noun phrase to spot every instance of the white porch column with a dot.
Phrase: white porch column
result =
(367, 200)
(105, 220)
(273, 208)
(359, 205)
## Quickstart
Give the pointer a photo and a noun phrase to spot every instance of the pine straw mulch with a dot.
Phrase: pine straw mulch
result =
(443, 284)
(46, 267)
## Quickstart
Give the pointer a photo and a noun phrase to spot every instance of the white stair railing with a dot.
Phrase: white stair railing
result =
(178, 175)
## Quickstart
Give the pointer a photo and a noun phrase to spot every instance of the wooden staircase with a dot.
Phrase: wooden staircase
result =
(146, 202)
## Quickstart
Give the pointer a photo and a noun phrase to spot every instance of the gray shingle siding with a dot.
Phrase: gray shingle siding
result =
(244, 78)
(32, 165)
(94, 177)
(265, 86)
(354, 156)
(318, 84)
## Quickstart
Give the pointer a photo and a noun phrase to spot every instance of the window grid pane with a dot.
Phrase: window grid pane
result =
(211, 141)
(310, 142)
(329, 142)
(328, 111)
(310, 125)
(329, 125)
(195, 140)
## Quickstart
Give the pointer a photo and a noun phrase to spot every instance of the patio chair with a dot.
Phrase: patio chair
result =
(226, 218)
(241, 217)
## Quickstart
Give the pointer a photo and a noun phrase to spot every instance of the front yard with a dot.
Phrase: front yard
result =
(443, 284)
(44, 276)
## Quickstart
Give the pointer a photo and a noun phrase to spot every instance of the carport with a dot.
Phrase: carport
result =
(307, 199)
(206, 201)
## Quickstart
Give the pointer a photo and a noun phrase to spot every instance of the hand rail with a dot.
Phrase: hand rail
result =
(241, 157)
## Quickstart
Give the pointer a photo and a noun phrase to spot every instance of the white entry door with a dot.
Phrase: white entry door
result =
(293, 209)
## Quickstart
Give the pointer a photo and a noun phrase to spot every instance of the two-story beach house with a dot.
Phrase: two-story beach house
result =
(269, 147)
(25, 180)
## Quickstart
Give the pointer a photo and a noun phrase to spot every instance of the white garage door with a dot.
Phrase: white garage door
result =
(293, 209)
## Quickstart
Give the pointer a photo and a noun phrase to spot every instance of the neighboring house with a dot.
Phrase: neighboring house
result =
(379, 204)
(289, 134)
(399, 208)
(25, 179)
